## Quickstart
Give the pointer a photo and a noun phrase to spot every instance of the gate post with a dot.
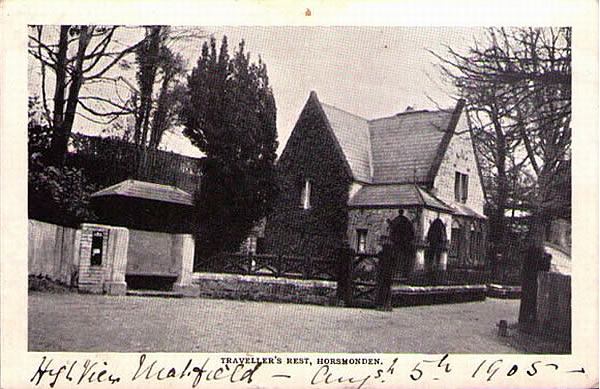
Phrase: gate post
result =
(385, 271)
(103, 259)
(117, 251)
(535, 260)
(344, 279)
(185, 265)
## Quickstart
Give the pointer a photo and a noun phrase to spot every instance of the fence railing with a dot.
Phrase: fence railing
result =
(108, 161)
(272, 265)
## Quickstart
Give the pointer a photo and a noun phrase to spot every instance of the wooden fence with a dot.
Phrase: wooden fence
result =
(109, 161)
(53, 252)
(272, 265)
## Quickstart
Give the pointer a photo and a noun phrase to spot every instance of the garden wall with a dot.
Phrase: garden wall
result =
(265, 288)
(53, 251)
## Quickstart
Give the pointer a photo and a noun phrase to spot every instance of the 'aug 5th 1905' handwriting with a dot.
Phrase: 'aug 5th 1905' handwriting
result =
(252, 369)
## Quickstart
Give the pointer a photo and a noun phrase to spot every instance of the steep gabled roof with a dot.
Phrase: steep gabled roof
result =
(147, 191)
(404, 148)
(352, 134)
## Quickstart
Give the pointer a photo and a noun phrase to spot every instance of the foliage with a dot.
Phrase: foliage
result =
(517, 83)
(230, 115)
(58, 195)
(310, 154)
(156, 63)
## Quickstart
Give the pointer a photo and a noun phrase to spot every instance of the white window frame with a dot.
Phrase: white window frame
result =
(361, 233)
(305, 195)
(461, 187)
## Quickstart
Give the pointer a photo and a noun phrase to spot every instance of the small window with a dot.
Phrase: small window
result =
(97, 240)
(361, 241)
(465, 188)
(305, 195)
(461, 187)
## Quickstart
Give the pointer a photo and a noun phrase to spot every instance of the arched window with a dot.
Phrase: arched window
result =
(455, 239)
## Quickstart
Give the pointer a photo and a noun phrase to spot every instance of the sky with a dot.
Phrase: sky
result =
(369, 71)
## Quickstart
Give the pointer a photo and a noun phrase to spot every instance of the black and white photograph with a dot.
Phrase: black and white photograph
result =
(289, 205)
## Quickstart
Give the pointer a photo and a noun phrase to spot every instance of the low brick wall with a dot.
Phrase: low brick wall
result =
(262, 288)
(553, 314)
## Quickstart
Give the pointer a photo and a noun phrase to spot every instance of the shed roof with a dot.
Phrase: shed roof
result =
(396, 195)
(147, 191)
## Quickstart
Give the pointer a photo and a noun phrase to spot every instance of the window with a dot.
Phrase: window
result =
(461, 187)
(305, 195)
(455, 242)
(361, 241)
(97, 240)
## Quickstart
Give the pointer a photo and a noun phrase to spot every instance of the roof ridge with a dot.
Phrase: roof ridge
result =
(344, 111)
(401, 114)
(416, 187)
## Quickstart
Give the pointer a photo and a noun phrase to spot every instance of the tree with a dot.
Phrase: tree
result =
(230, 115)
(55, 194)
(517, 84)
(156, 62)
(82, 55)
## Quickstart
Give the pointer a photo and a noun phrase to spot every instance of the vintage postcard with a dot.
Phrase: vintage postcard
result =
(287, 194)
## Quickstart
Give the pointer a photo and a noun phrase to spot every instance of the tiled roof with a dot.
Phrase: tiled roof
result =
(148, 191)
(404, 147)
(462, 210)
(352, 134)
(396, 195)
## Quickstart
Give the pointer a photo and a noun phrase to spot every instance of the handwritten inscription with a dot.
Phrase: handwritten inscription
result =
(233, 374)
(88, 372)
(337, 372)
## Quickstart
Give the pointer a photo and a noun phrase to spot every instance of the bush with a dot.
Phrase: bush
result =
(58, 195)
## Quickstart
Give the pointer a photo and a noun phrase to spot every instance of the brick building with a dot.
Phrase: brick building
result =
(412, 177)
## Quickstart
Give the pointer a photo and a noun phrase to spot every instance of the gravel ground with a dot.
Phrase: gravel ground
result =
(74, 322)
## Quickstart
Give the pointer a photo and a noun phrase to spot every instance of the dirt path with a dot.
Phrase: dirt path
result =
(72, 322)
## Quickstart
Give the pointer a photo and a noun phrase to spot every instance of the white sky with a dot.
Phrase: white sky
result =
(369, 71)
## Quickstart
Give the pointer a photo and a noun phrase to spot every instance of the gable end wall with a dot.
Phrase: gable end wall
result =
(311, 153)
(460, 156)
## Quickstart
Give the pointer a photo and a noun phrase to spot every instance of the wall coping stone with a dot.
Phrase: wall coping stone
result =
(201, 276)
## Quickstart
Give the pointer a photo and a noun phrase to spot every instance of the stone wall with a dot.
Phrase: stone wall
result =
(553, 316)
(259, 288)
(460, 157)
(374, 220)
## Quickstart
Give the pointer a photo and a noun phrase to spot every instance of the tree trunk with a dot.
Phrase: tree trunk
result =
(56, 153)
(502, 187)
(73, 100)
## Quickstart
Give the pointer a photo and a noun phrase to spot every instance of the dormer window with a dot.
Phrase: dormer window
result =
(461, 187)
(305, 195)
